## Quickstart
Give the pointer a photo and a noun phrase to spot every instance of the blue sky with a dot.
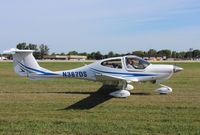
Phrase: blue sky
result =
(101, 25)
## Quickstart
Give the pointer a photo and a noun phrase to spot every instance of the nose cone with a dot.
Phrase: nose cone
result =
(177, 69)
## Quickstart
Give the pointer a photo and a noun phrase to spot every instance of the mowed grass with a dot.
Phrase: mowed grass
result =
(37, 107)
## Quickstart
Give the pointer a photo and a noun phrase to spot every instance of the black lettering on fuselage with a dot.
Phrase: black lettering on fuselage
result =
(75, 74)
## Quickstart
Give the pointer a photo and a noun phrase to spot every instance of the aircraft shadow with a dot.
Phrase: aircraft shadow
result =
(141, 93)
(95, 98)
(107, 91)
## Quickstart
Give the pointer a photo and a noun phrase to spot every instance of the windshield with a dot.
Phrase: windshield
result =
(136, 63)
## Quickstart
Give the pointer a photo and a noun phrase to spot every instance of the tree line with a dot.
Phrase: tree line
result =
(191, 54)
(42, 50)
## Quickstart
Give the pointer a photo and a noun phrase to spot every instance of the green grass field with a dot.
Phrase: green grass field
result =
(38, 107)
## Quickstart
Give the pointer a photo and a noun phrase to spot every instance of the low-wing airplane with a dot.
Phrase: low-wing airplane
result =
(118, 72)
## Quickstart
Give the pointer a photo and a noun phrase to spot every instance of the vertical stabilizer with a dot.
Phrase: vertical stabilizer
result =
(25, 64)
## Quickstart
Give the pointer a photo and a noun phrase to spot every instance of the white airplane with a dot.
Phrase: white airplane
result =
(118, 72)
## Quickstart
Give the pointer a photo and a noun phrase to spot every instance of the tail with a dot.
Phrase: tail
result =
(26, 65)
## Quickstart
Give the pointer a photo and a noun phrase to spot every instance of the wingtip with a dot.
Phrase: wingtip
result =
(11, 50)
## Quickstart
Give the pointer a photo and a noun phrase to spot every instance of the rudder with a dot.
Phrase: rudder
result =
(25, 64)
(24, 61)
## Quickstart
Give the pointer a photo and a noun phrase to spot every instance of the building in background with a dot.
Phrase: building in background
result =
(77, 57)
(65, 57)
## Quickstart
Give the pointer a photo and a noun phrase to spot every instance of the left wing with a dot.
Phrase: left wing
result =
(109, 77)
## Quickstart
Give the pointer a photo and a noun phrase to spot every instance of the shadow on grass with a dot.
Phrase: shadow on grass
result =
(141, 93)
(95, 98)
(100, 92)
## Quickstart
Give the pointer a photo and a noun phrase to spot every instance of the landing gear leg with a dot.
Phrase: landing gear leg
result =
(121, 93)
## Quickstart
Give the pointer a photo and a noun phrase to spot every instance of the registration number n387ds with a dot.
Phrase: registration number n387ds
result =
(75, 74)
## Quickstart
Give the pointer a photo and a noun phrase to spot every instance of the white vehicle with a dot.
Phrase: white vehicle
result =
(118, 72)
(3, 58)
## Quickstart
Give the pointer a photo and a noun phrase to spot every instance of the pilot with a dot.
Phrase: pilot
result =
(130, 64)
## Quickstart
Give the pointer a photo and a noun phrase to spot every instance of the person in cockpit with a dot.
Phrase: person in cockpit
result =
(130, 64)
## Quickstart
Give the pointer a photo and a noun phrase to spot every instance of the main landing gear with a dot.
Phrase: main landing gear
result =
(124, 92)
(125, 88)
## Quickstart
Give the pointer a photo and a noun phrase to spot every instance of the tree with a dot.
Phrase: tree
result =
(32, 47)
(83, 53)
(53, 54)
(196, 54)
(21, 46)
(91, 55)
(110, 54)
(188, 55)
(181, 55)
(98, 55)
(95, 55)
(165, 52)
(44, 50)
(73, 53)
(62, 54)
(138, 53)
(152, 53)
(168, 53)
(38, 53)
(117, 54)
(174, 54)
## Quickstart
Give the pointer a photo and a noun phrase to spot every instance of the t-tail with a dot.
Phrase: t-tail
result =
(26, 65)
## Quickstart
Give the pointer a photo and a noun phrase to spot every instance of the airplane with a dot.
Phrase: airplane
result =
(118, 72)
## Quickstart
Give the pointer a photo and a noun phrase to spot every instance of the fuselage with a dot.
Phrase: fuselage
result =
(118, 72)
(117, 67)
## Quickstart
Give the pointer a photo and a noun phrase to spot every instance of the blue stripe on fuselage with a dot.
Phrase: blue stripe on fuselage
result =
(36, 70)
(129, 74)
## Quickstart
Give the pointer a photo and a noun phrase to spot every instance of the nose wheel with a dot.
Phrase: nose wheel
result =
(164, 89)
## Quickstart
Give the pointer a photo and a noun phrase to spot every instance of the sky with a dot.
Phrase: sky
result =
(101, 25)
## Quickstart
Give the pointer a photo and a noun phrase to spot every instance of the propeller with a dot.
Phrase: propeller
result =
(177, 69)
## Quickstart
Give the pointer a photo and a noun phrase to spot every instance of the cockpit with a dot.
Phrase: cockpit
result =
(135, 63)
(128, 62)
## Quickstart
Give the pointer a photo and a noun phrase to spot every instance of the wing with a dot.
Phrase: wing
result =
(109, 77)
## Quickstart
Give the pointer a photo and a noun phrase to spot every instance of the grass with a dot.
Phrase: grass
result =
(37, 107)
